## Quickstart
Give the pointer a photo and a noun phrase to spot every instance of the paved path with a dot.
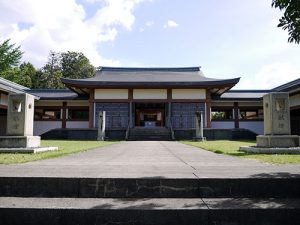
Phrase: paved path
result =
(149, 159)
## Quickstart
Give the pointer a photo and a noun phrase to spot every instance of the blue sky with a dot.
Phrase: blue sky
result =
(227, 39)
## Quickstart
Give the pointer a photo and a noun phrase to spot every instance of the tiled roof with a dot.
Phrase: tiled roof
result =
(55, 94)
(287, 87)
(151, 77)
(11, 87)
(243, 95)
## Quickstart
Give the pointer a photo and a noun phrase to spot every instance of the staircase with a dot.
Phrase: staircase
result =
(149, 134)
(150, 201)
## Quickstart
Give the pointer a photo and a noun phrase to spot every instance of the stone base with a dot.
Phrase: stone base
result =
(199, 138)
(20, 141)
(277, 141)
(255, 149)
(27, 150)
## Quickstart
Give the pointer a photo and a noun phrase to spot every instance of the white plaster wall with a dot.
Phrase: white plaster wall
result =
(111, 94)
(77, 124)
(222, 124)
(188, 94)
(3, 99)
(149, 93)
(40, 127)
(295, 100)
(255, 126)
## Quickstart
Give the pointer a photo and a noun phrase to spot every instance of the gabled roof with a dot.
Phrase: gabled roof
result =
(292, 86)
(116, 77)
(11, 87)
(55, 94)
(243, 95)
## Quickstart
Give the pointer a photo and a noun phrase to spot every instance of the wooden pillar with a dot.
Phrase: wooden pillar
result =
(64, 115)
(130, 98)
(236, 114)
(169, 97)
(91, 108)
(208, 108)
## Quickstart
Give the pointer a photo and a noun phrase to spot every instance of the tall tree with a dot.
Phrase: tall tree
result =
(291, 18)
(10, 55)
(49, 76)
(76, 65)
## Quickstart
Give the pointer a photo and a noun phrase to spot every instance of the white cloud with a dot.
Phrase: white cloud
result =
(62, 25)
(171, 23)
(149, 23)
(270, 76)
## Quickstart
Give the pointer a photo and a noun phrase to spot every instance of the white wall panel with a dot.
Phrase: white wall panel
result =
(188, 94)
(255, 126)
(111, 93)
(40, 127)
(149, 93)
(222, 124)
(77, 124)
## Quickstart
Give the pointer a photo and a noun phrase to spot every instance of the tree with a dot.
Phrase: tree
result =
(25, 74)
(10, 55)
(49, 76)
(291, 18)
(75, 65)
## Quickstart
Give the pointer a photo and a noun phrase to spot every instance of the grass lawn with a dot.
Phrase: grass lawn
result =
(65, 147)
(232, 148)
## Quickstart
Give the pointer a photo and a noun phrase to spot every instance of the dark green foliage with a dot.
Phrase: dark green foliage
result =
(291, 18)
(67, 64)
(9, 55)
(49, 76)
(76, 66)
(25, 74)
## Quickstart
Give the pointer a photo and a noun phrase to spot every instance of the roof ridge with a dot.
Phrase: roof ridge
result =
(151, 69)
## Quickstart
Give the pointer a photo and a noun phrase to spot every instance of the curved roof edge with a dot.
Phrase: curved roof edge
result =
(150, 69)
(87, 83)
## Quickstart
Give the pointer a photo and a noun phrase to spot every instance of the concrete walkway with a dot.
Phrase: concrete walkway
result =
(149, 159)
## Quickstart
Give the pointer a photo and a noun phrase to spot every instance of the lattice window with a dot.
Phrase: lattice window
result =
(117, 114)
(183, 114)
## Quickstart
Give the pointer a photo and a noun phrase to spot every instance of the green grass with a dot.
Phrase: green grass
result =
(65, 147)
(232, 148)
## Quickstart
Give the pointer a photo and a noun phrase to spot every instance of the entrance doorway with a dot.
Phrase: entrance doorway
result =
(150, 114)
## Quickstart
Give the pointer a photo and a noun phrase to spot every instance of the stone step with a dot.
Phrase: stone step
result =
(149, 187)
(177, 211)
(144, 134)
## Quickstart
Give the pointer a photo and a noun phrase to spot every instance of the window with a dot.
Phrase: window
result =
(219, 114)
(251, 114)
(47, 114)
(78, 114)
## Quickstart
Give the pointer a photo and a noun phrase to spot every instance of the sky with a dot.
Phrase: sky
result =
(228, 39)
